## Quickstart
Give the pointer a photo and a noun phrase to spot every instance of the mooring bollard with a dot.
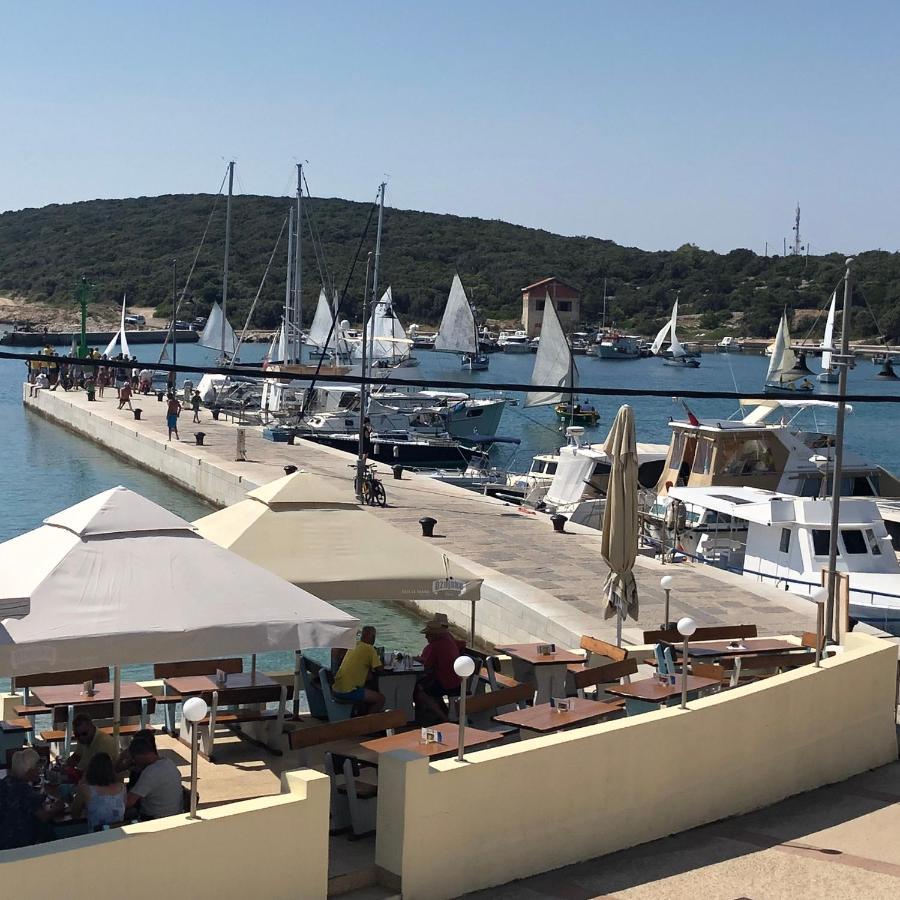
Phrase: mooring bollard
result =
(289, 470)
(137, 413)
(427, 524)
(215, 413)
(198, 437)
(159, 396)
(559, 523)
(398, 472)
(291, 438)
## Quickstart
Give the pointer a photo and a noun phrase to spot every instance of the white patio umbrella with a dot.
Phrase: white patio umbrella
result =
(118, 580)
(620, 520)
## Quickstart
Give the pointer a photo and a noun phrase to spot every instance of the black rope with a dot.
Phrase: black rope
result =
(259, 372)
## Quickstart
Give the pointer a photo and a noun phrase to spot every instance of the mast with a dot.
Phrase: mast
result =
(603, 324)
(227, 252)
(842, 362)
(375, 269)
(296, 339)
(288, 292)
(360, 458)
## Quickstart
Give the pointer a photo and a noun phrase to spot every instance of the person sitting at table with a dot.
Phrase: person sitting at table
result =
(125, 765)
(24, 817)
(101, 795)
(90, 740)
(357, 668)
(158, 792)
(440, 678)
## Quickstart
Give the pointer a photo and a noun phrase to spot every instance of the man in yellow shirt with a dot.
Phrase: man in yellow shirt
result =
(90, 741)
(358, 666)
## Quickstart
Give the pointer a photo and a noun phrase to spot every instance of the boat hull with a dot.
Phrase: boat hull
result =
(399, 452)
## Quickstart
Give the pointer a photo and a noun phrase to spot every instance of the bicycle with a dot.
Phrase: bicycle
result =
(371, 490)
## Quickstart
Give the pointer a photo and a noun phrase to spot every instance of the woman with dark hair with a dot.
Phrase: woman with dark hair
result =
(100, 795)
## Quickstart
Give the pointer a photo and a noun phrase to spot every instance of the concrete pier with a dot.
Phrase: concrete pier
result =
(539, 585)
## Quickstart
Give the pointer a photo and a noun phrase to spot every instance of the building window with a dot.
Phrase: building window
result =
(539, 305)
(565, 306)
(820, 542)
(853, 541)
(785, 540)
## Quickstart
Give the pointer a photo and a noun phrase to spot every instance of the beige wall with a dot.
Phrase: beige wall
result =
(274, 847)
(534, 806)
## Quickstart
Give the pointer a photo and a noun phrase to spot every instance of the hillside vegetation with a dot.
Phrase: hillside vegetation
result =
(128, 245)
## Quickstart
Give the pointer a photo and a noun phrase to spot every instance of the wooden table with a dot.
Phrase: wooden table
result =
(741, 647)
(193, 685)
(54, 695)
(547, 671)
(651, 690)
(412, 740)
(545, 718)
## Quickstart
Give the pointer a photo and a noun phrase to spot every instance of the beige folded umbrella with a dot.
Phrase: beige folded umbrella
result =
(620, 520)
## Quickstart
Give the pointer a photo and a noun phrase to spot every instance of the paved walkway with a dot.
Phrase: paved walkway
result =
(840, 842)
(520, 544)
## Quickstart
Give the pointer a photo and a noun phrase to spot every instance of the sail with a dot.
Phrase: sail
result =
(212, 332)
(111, 346)
(676, 348)
(658, 340)
(385, 334)
(829, 335)
(783, 358)
(281, 348)
(553, 363)
(457, 331)
(122, 337)
(321, 324)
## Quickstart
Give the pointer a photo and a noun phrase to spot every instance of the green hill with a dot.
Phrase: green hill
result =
(127, 245)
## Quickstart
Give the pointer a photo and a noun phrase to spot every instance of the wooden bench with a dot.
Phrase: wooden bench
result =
(599, 676)
(352, 799)
(97, 674)
(754, 668)
(481, 709)
(711, 633)
(102, 710)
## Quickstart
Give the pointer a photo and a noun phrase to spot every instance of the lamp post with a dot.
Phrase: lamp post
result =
(464, 666)
(666, 583)
(194, 710)
(686, 627)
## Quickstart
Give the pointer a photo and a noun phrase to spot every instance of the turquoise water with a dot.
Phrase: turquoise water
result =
(47, 468)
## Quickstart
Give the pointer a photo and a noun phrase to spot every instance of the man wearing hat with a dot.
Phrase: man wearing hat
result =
(440, 678)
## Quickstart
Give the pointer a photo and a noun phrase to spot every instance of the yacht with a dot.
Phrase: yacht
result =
(513, 342)
(729, 344)
(783, 540)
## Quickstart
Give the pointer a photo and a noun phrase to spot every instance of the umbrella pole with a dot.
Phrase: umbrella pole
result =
(117, 702)
(298, 661)
(472, 628)
(253, 667)
(618, 626)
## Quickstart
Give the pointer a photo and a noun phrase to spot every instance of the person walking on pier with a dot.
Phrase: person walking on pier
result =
(125, 395)
(195, 406)
(172, 412)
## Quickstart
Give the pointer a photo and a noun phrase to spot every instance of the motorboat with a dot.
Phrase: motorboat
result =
(729, 344)
(784, 540)
(578, 413)
(513, 342)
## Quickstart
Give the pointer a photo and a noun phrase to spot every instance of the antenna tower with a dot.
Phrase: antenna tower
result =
(797, 247)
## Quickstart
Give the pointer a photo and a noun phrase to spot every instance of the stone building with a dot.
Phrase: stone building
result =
(566, 298)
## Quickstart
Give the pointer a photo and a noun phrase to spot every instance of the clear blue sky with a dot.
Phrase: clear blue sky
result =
(652, 124)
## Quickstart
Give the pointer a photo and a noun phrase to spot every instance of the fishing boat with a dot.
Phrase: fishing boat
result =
(555, 365)
(787, 371)
(829, 374)
(615, 345)
(676, 354)
(458, 332)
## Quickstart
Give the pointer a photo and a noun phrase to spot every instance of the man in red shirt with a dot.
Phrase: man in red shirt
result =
(440, 679)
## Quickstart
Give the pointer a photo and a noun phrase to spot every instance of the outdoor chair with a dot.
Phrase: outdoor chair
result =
(601, 677)
(597, 653)
(315, 699)
(354, 801)
(337, 710)
(494, 677)
(709, 670)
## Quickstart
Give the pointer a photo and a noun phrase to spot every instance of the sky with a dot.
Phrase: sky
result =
(652, 124)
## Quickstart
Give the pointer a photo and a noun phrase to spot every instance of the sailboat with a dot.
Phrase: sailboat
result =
(388, 345)
(676, 355)
(828, 375)
(217, 333)
(119, 337)
(324, 337)
(555, 365)
(458, 332)
(785, 368)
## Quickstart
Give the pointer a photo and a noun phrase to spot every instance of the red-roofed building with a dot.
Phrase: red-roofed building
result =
(566, 298)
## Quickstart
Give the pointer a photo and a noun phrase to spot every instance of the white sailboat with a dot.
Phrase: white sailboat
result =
(676, 355)
(458, 332)
(554, 365)
(829, 374)
(785, 369)
(217, 333)
(119, 337)
(321, 334)
(388, 344)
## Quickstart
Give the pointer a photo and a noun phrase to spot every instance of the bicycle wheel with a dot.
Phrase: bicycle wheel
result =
(365, 492)
(378, 495)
